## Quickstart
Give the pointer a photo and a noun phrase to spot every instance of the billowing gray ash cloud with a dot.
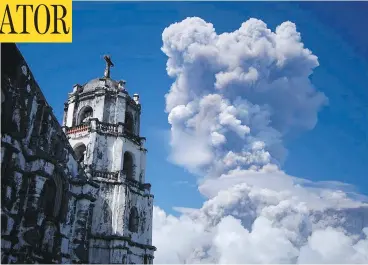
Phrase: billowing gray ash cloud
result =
(235, 98)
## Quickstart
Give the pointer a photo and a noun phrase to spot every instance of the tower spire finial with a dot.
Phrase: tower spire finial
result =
(108, 65)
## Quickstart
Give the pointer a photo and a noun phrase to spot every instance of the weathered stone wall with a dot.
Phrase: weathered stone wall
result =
(46, 198)
(112, 209)
(61, 205)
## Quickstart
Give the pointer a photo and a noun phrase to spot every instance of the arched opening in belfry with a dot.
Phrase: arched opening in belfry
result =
(84, 114)
(133, 220)
(128, 165)
(79, 151)
(129, 123)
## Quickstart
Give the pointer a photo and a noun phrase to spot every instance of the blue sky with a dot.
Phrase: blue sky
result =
(337, 148)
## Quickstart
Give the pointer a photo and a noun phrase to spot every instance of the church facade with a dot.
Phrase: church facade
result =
(74, 193)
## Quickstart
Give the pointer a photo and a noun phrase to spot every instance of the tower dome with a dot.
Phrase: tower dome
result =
(105, 82)
(100, 83)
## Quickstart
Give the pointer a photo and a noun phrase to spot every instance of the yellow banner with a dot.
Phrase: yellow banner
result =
(36, 21)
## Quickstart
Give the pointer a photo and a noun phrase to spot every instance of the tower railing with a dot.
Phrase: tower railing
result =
(105, 174)
(94, 125)
(77, 129)
(105, 127)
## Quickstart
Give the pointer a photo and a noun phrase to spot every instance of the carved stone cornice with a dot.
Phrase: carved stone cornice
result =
(116, 177)
(123, 238)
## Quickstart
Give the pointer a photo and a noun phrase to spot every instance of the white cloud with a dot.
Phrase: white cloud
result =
(235, 97)
(248, 224)
(333, 246)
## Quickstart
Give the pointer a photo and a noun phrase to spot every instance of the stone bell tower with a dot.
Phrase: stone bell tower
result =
(102, 122)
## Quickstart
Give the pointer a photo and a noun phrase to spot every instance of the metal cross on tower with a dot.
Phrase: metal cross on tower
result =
(108, 65)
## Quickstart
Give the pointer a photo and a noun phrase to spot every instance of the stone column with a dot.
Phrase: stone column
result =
(81, 232)
(98, 111)
(34, 193)
(120, 107)
(48, 241)
(71, 109)
(117, 253)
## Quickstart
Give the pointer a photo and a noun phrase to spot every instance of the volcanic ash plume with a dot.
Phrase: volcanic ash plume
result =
(235, 98)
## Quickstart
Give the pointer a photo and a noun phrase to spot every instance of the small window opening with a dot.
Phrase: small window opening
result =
(79, 152)
(128, 165)
(133, 220)
(129, 124)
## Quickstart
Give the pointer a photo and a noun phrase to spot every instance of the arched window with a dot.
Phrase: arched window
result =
(49, 199)
(129, 123)
(53, 190)
(133, 220)
(53, 195)
(58, 194)
(128, 165)
(85, 113)
(79, 152)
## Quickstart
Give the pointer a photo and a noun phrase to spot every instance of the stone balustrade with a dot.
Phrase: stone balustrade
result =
(104, 174)
(94, 125)
(77, 129)
(119, 176)
(107, 127)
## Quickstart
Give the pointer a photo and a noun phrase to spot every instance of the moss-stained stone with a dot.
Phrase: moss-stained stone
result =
(56, 206)
(33, 147)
